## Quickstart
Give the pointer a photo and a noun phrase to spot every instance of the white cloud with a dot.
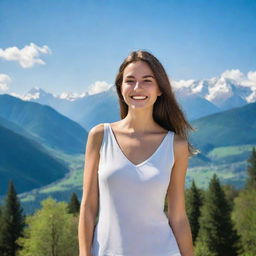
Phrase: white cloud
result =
(182, 83)
(71, 96)
(4, 80)
(30, 96)
(234, 74)
(14, 94)
(98, 86)
(241, 78)
(27, 57)
(252, 76)
(220, 92)
(250, 80)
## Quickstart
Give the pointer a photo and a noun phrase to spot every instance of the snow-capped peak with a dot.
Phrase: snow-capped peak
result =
(231, 83)
(71, 96)
(36, 93)
(231, 86)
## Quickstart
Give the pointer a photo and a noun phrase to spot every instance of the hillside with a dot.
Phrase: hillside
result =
(229, 161)
(51, 127)
(229, 128)
(26, 162)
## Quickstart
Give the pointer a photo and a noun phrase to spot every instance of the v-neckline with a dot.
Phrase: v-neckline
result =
(145, 161)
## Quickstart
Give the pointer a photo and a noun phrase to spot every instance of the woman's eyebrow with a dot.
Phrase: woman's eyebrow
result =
(145, 76)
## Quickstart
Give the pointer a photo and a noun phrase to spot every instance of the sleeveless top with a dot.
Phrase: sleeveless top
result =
(131, 218)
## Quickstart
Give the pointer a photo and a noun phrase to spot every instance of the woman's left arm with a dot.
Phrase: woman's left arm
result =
(177, 216)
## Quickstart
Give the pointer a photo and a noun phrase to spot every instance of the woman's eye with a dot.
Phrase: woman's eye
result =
(131, 81)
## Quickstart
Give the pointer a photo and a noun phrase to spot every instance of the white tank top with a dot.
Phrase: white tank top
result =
(131, 219)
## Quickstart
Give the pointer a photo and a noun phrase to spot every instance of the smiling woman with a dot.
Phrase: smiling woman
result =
(132, 165)
(139, 84)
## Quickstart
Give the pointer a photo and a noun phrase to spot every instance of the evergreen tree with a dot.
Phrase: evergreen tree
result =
(201, 249)
(74, 205)
(251, 171)
(13, 223)
(193, 205)
(245, 219)
(230, 192)
(216, 227)
(244, 216)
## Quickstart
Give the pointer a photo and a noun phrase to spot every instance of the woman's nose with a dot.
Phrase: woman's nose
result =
(137, 85)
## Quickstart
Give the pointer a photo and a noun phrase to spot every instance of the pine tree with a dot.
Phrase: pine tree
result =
(74, 205)
(251, 171)
(13, 223)
(245, 220)
(193, 205)
(216, 227)
(231, 193)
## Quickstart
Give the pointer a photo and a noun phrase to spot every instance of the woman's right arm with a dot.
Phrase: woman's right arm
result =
(90, 197)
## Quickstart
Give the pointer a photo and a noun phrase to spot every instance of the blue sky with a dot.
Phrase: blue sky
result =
(88, 40)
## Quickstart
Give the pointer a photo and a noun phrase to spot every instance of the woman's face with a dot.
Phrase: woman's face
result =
(138, 79)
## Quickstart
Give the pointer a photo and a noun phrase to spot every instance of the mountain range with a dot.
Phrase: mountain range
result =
(32, 136)
(197, 98)
(232, 127)
(42, 121)
(43, 136)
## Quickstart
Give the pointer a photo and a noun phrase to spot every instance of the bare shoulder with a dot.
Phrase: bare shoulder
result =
(92, 156)
(95, 136)
(180, 146)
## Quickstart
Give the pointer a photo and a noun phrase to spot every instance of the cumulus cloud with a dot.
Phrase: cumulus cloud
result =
(4, 80)
(248, 80)
(252, 76)
(234, 74)
(98, 86)
(27, 57)
(181, 83)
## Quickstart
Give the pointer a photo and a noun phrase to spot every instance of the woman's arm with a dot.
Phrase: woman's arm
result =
(89, 202)
(177, 216)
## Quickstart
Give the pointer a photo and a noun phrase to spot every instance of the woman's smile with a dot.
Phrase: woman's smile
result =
(139, 98)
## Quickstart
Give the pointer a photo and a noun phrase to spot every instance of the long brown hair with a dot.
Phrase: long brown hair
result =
(166, 110)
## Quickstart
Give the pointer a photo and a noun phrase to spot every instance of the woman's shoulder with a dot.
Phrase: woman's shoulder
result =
(97, 131)
(95, 134)
(180, 145)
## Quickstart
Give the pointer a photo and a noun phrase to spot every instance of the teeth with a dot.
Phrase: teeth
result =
(139, 97)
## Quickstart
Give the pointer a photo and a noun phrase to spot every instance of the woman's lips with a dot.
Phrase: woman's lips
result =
(139, 96)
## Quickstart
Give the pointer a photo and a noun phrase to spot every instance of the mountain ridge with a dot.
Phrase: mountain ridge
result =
(43, 121)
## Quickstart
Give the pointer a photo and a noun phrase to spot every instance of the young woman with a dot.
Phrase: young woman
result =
(133, 165)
